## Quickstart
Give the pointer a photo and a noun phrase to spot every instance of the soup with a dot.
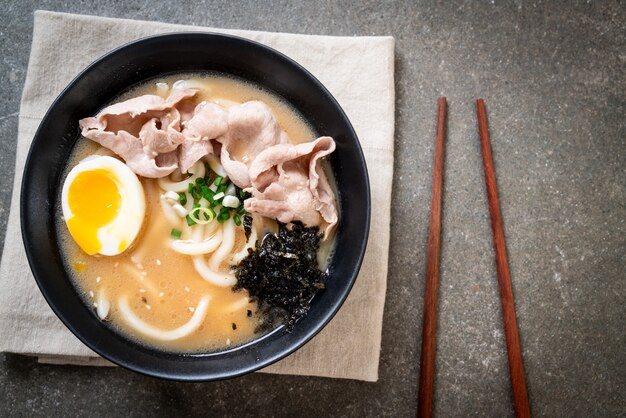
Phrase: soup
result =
(168, 203)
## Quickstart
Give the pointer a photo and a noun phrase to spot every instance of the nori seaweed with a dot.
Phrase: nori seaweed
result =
(247, 225)
(282, 274)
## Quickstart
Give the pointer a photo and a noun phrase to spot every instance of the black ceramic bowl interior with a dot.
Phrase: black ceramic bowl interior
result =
(118, 71)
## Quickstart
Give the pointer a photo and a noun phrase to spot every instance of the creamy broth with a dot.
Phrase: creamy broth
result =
(161, 286)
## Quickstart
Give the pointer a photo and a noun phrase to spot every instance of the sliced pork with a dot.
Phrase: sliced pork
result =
(141, 129)
(155, 140)
(130, 115)
(209, 121)
(155, 135)
(288, 184)
(251, 128)
(129, 148)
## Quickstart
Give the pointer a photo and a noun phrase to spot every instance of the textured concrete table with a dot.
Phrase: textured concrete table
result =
(553, 77)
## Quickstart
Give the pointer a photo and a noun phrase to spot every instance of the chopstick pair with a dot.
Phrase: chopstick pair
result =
(429, 328)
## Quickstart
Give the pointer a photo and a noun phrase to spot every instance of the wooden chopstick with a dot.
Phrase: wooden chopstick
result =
(516, 365)
(429, 328)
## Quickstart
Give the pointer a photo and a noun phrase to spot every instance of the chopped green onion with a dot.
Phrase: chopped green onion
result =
(190, 221)
(222, 188)
(207, 193)
(218, 180)
(244, 195)
(224, 215)
(176, 233)
(200, 181)
(218, 196)
(196, 193)
(209, 215)
(241, 210)
(190, 187)
(237, 220)
(183, 198)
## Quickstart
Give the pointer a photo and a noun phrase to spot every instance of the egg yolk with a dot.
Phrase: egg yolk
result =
(94, 200)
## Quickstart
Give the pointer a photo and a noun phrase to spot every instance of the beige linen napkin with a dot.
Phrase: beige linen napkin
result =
(358, 71)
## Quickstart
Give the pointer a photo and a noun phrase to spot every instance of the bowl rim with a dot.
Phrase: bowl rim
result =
(38, 270)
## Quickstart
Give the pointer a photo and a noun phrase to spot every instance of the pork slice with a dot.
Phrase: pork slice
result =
(166, 161)
(323, 195)
(170, 121)
(130, 149)
(264, 170)
(287, 200)
(209, 121)
(178, 95)
(190, 152)
(144, 131)
(130, 115)
(156, 141)
(186, 108)
(253, 125)
(161, 166)
(251, 129)
(287, 183)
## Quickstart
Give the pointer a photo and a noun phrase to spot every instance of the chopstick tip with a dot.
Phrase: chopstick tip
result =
(442, 104)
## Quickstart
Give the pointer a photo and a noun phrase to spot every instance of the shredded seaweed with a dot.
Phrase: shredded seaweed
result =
(282, 274)
(247, 225)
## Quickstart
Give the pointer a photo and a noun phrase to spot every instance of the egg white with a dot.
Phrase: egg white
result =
(127, 224)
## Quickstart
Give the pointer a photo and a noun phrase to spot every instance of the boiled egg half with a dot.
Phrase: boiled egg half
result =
(103, 205)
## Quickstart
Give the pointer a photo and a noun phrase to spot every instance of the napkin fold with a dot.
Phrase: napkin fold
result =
(358, 71)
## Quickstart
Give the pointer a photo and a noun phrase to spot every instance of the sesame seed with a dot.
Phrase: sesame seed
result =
(228, 341)
(148, 307)
(95, 305)
(187, 289)
(140, 266)
(144, 273)
(158, 262)
(116, 264)
(142, 290)
(98, 279)
(91, 293)
(161, 294)
(191, 309)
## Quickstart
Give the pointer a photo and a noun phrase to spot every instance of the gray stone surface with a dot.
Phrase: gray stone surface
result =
(553, 76)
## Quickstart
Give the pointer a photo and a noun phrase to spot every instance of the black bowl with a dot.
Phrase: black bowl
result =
(129, 65)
